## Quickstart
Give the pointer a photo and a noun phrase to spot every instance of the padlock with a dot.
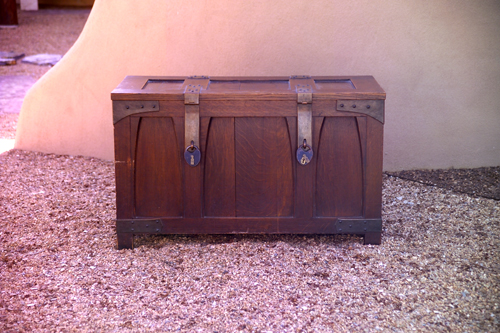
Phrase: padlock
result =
(192, 155)
(304, 153)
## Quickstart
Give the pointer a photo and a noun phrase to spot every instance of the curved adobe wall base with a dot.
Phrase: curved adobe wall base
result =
(437, 61)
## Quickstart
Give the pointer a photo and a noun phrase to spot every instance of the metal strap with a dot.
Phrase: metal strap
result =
(304, 114)
(372, 108)
(192, 108)
(358, 226)
(139, 226)
(122, 109)
(192, 115)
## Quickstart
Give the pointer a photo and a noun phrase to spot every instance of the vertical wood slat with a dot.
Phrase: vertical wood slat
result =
(292, 132)
(158, 170)
(123, 170)
(306, 174)
(374, 158)
(219, 179)
(284, 158)
(193, 178)
(178, 123)
(255, 186)
(318, 123)
(204, 128)
(135, 123)
(361, 122)
(339, 180)
(264, 176)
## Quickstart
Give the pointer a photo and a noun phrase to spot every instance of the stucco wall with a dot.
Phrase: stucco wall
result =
(437, 60)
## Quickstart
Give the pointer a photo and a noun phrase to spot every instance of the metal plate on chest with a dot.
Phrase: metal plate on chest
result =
(192, 155)
(304, 153)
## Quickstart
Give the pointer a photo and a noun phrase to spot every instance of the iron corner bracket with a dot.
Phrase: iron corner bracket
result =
(358, 226)
(373, 108)
(122, 109)
(139, 226)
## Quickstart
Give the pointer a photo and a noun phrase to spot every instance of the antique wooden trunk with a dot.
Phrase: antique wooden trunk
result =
(223, 155)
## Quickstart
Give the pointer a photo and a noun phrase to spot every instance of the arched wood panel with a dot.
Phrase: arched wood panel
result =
(219, 188)
(339, 180)
(158, 175)
(263, 165)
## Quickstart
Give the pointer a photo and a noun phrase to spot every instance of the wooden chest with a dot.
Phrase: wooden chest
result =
(224, 155)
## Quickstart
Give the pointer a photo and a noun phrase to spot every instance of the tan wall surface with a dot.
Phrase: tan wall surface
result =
(439, 62)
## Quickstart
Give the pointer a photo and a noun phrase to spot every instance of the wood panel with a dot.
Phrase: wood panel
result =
(193, 177)
(306, 174)
(247, 108)
(292, 132)
(361, 122)
(158, 177)
(219, 196)
(264, 173)
(123, 170)
(374, 158)
(339, 181)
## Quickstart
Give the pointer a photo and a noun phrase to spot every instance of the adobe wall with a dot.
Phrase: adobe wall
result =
(438, 62)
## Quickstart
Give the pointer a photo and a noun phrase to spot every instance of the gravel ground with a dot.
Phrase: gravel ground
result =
(437, 269)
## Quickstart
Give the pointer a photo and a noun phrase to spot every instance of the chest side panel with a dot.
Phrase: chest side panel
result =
(158, 174)
(219, 177)
(264, 173)
(339, 179)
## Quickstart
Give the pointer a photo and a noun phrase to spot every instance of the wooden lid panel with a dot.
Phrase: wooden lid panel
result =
(264, 88)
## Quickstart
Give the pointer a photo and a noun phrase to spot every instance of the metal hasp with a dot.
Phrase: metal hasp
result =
(304, 88)
(373, 108)
(194, 85)
(139, 226)
(122, 109)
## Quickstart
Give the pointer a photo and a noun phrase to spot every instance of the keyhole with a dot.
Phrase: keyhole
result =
(304, 160)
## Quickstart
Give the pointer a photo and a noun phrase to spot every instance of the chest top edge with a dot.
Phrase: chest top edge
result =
(244, 87)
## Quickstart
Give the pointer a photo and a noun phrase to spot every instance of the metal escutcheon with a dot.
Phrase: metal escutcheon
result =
(192, 155)
(304, 153)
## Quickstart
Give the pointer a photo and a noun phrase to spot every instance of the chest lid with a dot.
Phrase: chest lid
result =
(249, 88)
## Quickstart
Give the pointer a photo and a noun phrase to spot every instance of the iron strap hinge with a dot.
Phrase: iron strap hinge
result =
(304, 88)
(358, 226)
(304, 114)
(122, 109)
(373, 108)
(194, 85)
(139, 226)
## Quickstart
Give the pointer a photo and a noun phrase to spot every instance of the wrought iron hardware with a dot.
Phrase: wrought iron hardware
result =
(192, 155)
(192, 119)
(304, 153)
(304, 123)
(358, 226)
(139, 226)
(122, 109)
(202, 77)
(373, 108)
(194, 85)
